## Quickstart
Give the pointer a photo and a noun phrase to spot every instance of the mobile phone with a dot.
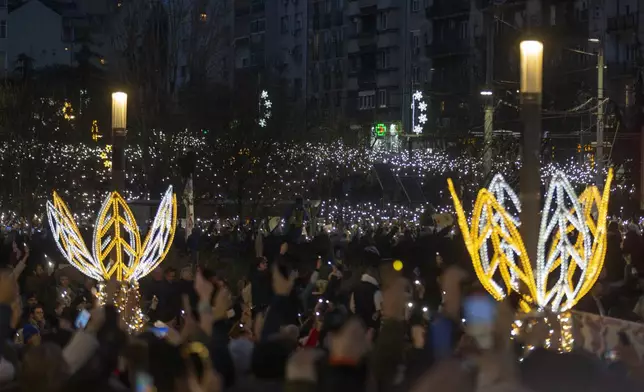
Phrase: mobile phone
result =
(144, 382)
(160, 332)
(82, 319)
(479, 311)
(611, 356)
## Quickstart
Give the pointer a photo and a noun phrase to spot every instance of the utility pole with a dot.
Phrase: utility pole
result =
(600, 117)
(488, 93)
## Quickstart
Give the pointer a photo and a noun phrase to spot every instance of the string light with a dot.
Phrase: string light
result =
(115, 232)
(265, 106)
(564, 216)
(570, 215)
(419, 120)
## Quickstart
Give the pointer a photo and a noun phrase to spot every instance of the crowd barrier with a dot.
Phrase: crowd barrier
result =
(599, 334)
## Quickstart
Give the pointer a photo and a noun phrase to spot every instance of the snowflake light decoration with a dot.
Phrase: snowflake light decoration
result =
(116, 246)
(571, 246)
(265, 106)
(418, 119)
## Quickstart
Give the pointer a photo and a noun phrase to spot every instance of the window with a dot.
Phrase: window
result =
(258, 25)
(297, 26)
(553, 15)
(297, 88)
(284, 24)
(415, 40)
(382, 98)
(415, 5)
(3, 29)
(462, 30)
(384, 59)
(415, 75)
(382, 21)
(3, 61)
(327, 6)
(203, 17)
(366, 100)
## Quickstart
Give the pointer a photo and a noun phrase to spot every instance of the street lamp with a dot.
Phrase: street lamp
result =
(530, 181)
(119, 132)
(486, 93)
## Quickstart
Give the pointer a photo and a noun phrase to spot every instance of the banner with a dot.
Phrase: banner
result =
(599, 334)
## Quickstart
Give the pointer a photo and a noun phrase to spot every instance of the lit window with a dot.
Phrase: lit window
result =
(103, 61)
(203, 17)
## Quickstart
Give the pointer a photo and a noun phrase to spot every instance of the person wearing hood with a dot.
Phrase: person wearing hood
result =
(366, 299)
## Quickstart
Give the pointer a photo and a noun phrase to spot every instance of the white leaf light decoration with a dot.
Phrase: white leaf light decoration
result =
(117, 250)
(159, 239)
(571, 246)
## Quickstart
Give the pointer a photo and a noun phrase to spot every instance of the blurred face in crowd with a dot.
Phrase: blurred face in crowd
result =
(39, 270)
(263, 264)
(89, 284)
(38, 314)
(170, 276)
(32, 301)
(186, 274)
(64, 281)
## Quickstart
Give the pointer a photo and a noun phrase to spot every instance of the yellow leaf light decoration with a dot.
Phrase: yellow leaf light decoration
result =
(571, 247)
(116, 246)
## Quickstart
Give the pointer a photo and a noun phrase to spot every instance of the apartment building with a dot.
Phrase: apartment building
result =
(63, 28)
(387, 56)
(4, 19)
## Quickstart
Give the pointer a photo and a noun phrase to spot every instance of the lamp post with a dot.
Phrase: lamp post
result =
(530, 182)
(119, 132)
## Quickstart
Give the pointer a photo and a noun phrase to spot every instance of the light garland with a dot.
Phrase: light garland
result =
(417, 103)
(115, 233)
(265, 106)
(564, 216)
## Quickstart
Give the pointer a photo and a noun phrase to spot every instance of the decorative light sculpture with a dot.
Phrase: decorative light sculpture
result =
(117, 251)
(571, 247)
(419, 119)
(265, 106)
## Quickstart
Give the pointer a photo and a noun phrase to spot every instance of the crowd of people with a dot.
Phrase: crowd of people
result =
(333, 313)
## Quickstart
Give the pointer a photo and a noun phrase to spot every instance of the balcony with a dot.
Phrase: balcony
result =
(621, 23)
(367, 3)
(447, 9)
(353, 8)
(446, 49)
(621, 69)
